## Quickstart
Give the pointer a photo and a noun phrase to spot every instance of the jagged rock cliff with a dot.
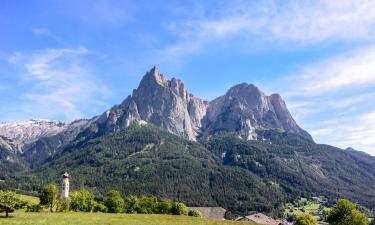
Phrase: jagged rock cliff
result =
(168, 104)
(164, 103)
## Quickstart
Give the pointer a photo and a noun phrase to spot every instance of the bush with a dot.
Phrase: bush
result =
(131, 203)
(48, 196)
(147, 205)
(64, 205)
(82, 201)
(115, 203)
(179, 208)
(194, 213)
(345, 212)
(34, 208)
(165, 206)
(305, 219)
(99, 207)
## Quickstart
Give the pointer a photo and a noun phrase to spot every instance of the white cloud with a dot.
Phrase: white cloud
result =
(45, 32)
(301, 22)
(59, 82)
(357, 132)
(351, 70)
(334, 99)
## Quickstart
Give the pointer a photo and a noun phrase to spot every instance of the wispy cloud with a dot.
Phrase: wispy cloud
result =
(301, 22)
(333, 99)
(60, 83)
(46, 33)
(357, 131)
(351, 70)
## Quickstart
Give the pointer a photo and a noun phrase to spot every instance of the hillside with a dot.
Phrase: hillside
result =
(299, 165)
(148, 160)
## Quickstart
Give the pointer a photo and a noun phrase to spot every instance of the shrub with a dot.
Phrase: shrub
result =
(194, 213)
(179, 208)
(165, 206)
(131, 203)
(305, 219)
(147, 205)
(34, 208)
(115, 203)
(48, 196)
(345, 212)
(82, 201)
(99, 207)
(64, 205)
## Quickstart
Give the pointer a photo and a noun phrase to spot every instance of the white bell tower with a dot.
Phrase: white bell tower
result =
(65, 186)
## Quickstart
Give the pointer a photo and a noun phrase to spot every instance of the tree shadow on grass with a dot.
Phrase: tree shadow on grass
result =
(4, 217)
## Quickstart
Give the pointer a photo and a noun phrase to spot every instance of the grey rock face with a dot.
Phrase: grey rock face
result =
(36, 140)
(244, 108)
(164, 103)
(168, 104)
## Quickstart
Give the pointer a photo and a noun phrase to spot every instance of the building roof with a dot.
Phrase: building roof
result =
(260, 218)
(211, 212)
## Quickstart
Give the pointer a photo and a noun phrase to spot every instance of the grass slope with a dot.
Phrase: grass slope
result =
(22, 218)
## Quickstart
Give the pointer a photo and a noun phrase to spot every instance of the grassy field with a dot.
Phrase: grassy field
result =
(28, 198)
(23, 218)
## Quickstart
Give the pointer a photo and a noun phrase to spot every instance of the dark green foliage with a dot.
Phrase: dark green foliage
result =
(165, 206)
(99, 207)
(179, 208)
(304, 219)
(82, 201)
(299, 166)
(114, 203)
(64, 205)
(9, 201)
(48, 196)
(131, 204)
(147, 205)
(144, 160)
(344, 213)
(219, 170)
(34, 208)
(194, 213)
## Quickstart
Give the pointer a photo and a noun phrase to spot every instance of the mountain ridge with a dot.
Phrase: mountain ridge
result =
(169, 105)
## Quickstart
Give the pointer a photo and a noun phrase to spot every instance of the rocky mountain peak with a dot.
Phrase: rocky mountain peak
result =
(168, 104)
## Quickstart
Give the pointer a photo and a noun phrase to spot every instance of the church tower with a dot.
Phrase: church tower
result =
(65, 186)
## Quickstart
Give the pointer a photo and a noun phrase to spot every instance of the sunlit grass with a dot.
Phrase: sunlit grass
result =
(23, 218)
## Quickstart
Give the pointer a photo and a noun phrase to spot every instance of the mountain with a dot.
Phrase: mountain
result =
(245, 109)
(169, 105)
(36, 140)
(242, 151)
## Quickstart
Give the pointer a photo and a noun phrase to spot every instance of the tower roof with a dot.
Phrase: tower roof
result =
(66, 175)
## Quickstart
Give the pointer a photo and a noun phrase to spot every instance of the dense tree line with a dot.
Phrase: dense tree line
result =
(84, 201)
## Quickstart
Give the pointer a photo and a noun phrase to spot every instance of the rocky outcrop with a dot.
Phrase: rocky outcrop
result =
(164, 103)
(36, 140)
(168, 104)
(244, 109)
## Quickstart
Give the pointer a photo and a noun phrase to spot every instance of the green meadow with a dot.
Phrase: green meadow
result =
(73, 218)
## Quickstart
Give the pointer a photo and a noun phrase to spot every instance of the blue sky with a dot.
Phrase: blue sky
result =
(67, 59)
